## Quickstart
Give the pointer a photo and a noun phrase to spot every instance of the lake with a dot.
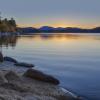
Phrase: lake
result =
(72, 58)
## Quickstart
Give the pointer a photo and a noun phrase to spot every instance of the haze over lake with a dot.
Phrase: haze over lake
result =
(73, 58)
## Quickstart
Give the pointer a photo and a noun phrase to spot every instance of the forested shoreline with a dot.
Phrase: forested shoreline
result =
(7, 25)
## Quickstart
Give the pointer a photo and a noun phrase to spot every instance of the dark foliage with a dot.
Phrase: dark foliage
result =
(7, 25)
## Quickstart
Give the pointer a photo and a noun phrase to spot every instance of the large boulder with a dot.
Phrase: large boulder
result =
(35, 74)
(12, 76)
(10, 59)
(22, 64)
(1, 57)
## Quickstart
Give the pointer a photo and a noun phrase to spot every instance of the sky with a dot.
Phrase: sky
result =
(56, 13)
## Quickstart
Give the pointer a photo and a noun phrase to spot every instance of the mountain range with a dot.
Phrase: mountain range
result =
(48, 29)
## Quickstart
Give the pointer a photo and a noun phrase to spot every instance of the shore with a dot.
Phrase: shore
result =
(15, 86)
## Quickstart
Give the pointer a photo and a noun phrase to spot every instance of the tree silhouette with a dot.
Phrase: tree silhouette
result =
(7, 25)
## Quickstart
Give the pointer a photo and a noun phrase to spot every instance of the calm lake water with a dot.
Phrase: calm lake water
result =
(73, 58)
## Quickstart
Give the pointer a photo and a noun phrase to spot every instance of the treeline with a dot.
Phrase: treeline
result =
(8, 25)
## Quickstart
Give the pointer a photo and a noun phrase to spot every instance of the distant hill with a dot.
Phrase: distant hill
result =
(48, 29)
(96, 30)
(28, 30)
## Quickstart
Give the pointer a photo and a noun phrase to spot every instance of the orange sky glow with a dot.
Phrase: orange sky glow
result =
(57, 25)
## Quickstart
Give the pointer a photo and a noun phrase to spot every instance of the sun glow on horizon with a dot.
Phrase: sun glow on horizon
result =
(63, 24)
(56, 22)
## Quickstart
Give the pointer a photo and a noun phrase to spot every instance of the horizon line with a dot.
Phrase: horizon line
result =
(58, 27)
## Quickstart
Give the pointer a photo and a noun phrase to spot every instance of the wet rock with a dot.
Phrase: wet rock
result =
(1, 57)
(10, 59)
(35, 74)
(24, 65)
(10, 76)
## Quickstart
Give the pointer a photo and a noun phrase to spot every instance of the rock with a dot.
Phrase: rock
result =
(35, 74)
(30, 98)
(24, 65)
(2, 98)
(10, 97)
(10, 76)
(64, 97)
(12, 86)
(1, 57)
(10, 59)
(2, 78)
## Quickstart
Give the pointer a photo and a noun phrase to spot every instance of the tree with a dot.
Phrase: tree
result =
(7, 25)
(0, 18)
(12, 22)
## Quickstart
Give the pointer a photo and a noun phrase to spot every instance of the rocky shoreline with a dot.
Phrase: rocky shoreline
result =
(29, 85)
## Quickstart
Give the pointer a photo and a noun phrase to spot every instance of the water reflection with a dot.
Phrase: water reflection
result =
(73, 58)
(8, 41)
(67, 36)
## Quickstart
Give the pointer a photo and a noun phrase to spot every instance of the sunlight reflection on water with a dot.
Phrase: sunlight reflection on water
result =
(73, 58)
